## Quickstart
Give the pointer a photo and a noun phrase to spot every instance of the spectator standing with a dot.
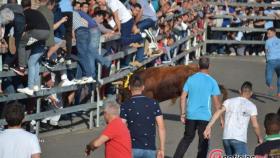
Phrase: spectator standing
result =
(82, 35)
(272, 47)
(15, 142)
(67, 10)
(199, 88)
(115, 136)
(141, 112)
(271, 146)
(53, 43)
(238, 112)
(36, 32)
(93, 41)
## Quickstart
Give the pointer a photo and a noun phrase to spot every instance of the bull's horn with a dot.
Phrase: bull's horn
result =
(117, 83)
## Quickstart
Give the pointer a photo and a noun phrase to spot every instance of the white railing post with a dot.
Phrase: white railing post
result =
(204, 49)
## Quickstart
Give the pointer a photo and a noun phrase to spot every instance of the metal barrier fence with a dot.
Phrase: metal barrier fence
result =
(239, 29)
(190, 43)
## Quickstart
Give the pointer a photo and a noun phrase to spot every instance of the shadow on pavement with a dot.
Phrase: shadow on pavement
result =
(257, 96)
(171, 117)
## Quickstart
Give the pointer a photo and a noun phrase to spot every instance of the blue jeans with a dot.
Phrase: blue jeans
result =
(235, 147)
(142, 153)
(83, 39)
(93, 53)
(33, 65)
(271, 67)
(145, 24)
(127, 38)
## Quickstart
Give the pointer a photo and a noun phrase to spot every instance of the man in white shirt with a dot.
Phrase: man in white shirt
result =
(125, 22)
(238, 112)
(15, 142)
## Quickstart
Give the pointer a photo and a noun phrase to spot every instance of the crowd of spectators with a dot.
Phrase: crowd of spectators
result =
(238, 19)
(51, 33)
(59, 32)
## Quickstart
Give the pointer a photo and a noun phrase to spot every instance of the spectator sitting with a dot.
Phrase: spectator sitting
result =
(18, 25)
(145, 16)
(15, 142)
(37, 29)
(6, 16)
(124, 23)
(115, 136)
(77, 5)
(271, 146)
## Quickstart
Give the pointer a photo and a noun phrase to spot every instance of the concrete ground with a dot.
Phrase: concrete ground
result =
(229, 71)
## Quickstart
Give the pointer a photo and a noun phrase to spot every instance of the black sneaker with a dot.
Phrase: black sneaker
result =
(6, 67)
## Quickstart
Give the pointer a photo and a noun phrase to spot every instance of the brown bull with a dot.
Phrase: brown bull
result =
(164, 83)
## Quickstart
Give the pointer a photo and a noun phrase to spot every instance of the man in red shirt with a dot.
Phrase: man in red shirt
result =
(116, 135)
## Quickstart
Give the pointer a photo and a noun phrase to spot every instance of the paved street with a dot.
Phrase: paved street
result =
(229, 71)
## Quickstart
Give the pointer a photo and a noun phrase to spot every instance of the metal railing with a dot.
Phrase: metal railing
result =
(190, 43)
(240, 29)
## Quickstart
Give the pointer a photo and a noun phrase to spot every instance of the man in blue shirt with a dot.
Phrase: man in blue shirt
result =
(200, 89)
(272, 47)
(142, 114)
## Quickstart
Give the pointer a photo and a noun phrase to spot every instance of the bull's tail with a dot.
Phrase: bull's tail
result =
(224, 92)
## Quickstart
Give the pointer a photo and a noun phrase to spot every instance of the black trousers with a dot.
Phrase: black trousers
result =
(68, 30)
(190, 129)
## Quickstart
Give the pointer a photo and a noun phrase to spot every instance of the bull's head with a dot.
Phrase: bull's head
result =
(123, 91)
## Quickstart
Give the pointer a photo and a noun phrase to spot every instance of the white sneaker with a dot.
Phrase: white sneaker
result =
(153, 45)
(232, 54)
(53, 123)
(36, 88)
(86, 80)
(253, 54)
(26, 91)
(262, 54)
(66, 82)
(31, 41)
(143, 35)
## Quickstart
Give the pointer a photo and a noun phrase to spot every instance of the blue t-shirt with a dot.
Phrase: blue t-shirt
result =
(66, 5)
(272, 46)
(200, 87)
(140, 112)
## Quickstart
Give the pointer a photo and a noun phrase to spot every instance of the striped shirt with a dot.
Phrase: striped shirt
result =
(77, 21)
